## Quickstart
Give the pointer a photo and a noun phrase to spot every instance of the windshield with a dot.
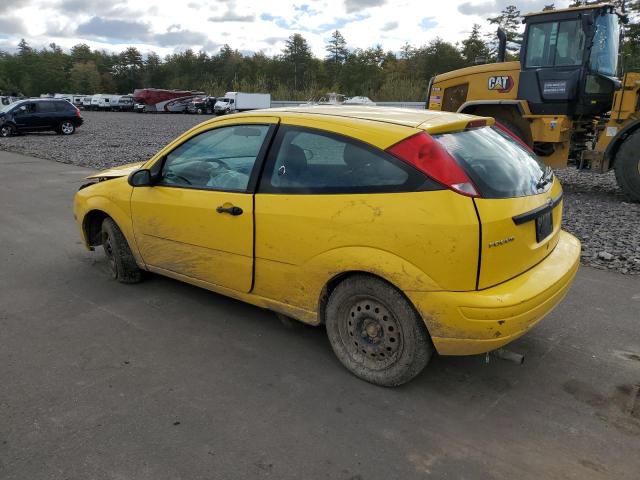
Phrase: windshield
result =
(604, 52)
(498, 165)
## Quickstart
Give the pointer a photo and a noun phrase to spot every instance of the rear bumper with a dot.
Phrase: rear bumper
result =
(467, 323)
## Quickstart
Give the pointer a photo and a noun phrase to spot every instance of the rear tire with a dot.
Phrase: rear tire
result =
(7, 130)
(122, 263)
(375, 332)
(627, 166)
(66, 128)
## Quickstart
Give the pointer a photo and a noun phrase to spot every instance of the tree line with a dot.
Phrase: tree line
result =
(294, 74)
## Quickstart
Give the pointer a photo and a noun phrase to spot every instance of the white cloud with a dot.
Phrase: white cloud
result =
(245, 24)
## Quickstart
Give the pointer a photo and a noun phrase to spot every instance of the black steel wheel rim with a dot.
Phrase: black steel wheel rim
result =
(370, 332)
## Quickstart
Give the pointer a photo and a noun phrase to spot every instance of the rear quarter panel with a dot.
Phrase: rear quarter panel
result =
(423, 241)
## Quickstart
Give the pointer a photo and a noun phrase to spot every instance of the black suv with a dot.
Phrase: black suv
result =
(39, 114)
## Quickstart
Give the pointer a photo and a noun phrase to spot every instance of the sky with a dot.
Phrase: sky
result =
(167, 26)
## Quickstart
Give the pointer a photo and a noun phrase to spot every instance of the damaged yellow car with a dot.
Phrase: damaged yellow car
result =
(405, 232)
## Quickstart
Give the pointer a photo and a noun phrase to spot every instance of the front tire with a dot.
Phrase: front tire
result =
(627, 166)
(66, 128)
(7, 130)
(375, 332)
(122, 263)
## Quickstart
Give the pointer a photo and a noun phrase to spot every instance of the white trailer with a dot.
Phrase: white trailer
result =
(105, 102)
(239, 102)
(86, 102)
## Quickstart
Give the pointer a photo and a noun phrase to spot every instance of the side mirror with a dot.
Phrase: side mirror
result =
(140, 178)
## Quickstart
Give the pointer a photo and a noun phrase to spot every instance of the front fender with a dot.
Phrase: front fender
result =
(113, 198)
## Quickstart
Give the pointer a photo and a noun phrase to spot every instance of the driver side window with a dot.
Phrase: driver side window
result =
(218, 159)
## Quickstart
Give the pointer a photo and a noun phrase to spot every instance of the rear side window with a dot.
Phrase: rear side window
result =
(498, 166)
(45, 107)
(312, 161)
(64, 107)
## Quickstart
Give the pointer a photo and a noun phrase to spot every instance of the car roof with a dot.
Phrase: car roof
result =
(431, 121)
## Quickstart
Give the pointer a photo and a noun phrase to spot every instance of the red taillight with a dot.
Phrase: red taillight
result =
(513, 135)
(78, 112)
(428, 156)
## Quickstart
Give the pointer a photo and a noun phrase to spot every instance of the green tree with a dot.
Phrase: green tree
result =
(473, 47)
(510, 21)
(298, 55)
(84, 78)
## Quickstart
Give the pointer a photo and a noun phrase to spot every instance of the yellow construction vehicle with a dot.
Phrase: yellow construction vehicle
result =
(563, 97)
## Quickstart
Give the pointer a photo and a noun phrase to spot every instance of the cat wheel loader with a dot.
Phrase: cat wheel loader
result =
(563, 97)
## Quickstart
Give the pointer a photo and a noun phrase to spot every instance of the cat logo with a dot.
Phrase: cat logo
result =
(502, 84)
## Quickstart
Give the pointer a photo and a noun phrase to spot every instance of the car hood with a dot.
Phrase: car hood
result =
(121, 171)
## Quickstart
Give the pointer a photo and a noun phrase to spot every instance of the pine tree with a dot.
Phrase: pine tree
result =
(473, 47)
(509, 20)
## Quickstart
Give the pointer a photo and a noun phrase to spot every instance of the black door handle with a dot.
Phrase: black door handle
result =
(235, 211)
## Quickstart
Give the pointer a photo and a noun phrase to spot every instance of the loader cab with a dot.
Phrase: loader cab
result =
(569, 61)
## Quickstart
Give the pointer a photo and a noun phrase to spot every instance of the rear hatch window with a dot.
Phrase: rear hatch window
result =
(498, 166)
(520, 203)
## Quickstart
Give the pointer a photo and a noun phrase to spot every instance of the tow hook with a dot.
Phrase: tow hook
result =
(504, 354)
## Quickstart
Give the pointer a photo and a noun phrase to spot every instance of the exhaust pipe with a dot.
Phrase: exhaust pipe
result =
(505, 354)
(502, 45)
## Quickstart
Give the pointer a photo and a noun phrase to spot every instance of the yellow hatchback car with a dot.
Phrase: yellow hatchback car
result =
(403, 231)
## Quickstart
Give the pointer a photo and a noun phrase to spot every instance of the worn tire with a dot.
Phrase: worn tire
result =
(375, 332)
(122, 263)
(7, 130)
(627, 166)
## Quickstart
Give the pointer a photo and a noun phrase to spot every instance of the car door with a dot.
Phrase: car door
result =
(26, 118)
(46, 115)
(197, 220)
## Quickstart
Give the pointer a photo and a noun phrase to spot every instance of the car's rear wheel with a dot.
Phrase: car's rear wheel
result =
(7, 130)
(66, 128)
(375, 332)
(122, 263)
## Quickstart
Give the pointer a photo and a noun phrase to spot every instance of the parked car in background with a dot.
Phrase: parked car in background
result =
(239, 102)
(404, 232)
(39, 114)
(200, 105)
(139, 107)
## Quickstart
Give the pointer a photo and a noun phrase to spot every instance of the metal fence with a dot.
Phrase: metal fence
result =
(419, 105)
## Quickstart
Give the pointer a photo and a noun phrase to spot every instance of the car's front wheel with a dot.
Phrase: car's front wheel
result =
(375, 332)
(7, 130)
(122, 263)
(66, 128)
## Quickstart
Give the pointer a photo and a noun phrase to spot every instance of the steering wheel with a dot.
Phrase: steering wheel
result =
(171, 175)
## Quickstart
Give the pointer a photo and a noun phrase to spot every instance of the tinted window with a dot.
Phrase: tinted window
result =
(45, 107)
(555, 44)
(312, 161)
(219, 159)
(498, 165)
(64, 107)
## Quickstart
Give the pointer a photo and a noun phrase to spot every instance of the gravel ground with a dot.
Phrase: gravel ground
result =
(595, 209)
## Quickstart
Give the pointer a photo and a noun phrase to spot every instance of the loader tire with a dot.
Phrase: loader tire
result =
(627, 166)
